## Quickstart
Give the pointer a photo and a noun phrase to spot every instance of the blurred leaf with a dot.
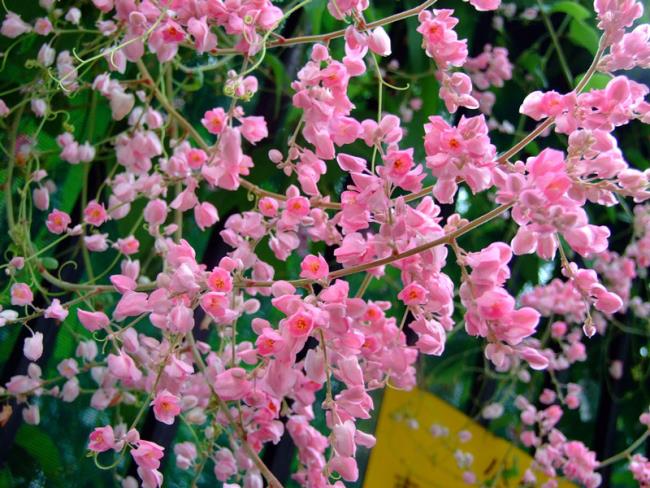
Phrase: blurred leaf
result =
(583, 35)
(279, 76)
(532, 62)
(574, 9)
(597, 82)
(49, 263)
(42, 448)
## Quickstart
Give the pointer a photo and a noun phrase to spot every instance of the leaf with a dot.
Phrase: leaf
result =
(279, 76)
(572, 9)
(597, 82)
(533, 63)
(49, 263)
(581, 34)
(42, 448)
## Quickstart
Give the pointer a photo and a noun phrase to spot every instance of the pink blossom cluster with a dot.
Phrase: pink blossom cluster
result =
(461, 153)
(554, 453)
(491, 311)
(491, 68)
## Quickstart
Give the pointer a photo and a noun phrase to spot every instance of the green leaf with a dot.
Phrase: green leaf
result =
(279, 76)
(572, 9)
(581, 34)
(42, 448)
(49, 263)
(597, 82)
(533, 63)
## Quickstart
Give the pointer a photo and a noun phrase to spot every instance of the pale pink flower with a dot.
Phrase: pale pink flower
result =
(21, 294)
(166, 407)
(148, 454)
(57, 221)
(93, 320)
(205, 215)
(33, 347)
(214, 120)
(56, 311)
(95, 214)
(13, 26)
(314, 267)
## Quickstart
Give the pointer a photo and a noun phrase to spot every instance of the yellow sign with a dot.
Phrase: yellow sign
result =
(409, 455)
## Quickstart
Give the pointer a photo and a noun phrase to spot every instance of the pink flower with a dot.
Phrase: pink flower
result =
(204, 40)
(181, 319)
(102, 439)
(205, 215)
(456, 91)
(55, 311)
(128, 245)
(131, 304)
(151, 478)
(92, 320)
(103, 5)
(4, 110)
(166, 406)
(21, 294)
(225, 465)
(196, 158)
(33, 347)
(268, 206)
(269, 342)
(220, 280)
(95, 214)
(148, 454)
(343, 438)
(232, 384)
(13, 26)
(123, 367)
(608, 302)
(253, 129)
(57, 221)
(214, 120)
(379, 42)
(299, 324)
(155, 212)
(41, 197)
(297, 207)
(216, 305)
(185, 454)
(483, 5)
(73, 16)
(43, 26)
(440, 40)
(413, 294)
(314, 268)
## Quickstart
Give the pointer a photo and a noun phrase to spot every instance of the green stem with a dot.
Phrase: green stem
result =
(623, 454)
(556, 42)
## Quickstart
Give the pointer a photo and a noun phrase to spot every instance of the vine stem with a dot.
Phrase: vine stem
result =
(447, 239)
(282, 42)
(556, 42)
(626, 452)
(13, 134)
(239, 430)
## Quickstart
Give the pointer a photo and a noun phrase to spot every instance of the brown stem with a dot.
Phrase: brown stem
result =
(282, 42)
(445, 240)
